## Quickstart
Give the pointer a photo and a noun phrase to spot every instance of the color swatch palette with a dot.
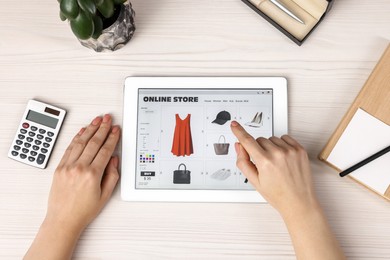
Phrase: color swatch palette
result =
(146, 158)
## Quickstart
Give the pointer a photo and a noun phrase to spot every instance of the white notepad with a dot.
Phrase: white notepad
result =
(364, 136)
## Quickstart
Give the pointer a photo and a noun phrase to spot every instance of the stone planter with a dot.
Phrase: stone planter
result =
(117, 34)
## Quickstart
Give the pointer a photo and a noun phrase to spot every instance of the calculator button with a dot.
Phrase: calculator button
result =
(14, 153)
(24, 150)
(16, 147)
(23, 156)
(29, 139)
(43, 150)
(51, 134)
(27, 145)
(32, 134)
(46, 145)
(42, 131)
(21, 137)
(48, 139)
(18, 142)
(41, 158)
(40, 137)
(31, 159)
(23, 131)
(37, 142)
(33, 153)
(34, 128)
(35, 148)
(25, 125)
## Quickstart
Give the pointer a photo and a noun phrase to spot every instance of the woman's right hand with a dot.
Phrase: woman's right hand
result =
(278, 168)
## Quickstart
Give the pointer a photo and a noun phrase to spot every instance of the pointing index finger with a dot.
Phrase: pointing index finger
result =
(247, 141)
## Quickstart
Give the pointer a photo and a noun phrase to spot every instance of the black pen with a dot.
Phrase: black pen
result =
(365, 161)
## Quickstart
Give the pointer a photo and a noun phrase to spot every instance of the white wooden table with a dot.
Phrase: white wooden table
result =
(40, 58)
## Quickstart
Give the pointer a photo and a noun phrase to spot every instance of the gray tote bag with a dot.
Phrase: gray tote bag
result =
(221, 148)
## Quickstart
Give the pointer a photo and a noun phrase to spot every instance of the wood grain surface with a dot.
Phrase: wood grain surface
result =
(40, 58)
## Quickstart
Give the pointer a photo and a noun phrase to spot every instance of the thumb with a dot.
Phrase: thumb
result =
(110, 179)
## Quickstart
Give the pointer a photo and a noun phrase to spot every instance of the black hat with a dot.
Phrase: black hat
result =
(222, 118)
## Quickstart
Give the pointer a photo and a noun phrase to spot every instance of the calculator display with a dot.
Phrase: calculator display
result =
(42, 119)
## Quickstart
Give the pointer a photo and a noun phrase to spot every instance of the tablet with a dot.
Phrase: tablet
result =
(177, 143)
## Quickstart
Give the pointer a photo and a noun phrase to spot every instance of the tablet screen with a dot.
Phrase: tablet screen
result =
(184, 139)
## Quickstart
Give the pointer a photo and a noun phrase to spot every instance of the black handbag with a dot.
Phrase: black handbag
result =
(182, 176)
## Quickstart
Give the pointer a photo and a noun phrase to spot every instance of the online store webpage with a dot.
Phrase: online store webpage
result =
(184, 139)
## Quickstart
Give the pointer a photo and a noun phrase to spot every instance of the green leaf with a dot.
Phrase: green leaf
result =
(82, 26)
(87, 6)
(106, 8)
(118, 2)
(98, 23)
(98, 2)
(69, 8)
(62, 16)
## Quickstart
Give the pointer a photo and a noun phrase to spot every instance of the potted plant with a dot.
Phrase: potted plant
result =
(102, 25)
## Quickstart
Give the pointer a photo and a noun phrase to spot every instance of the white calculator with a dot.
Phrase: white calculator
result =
(37, 134)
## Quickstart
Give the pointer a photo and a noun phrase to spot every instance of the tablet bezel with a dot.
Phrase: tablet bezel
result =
(129, 135)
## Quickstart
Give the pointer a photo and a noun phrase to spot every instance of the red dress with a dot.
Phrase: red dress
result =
(182, 139)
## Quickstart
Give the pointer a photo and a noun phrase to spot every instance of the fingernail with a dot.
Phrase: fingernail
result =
(81, 131)
(115, 129)
(97, 120)
(106, 118)
(234, 123)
